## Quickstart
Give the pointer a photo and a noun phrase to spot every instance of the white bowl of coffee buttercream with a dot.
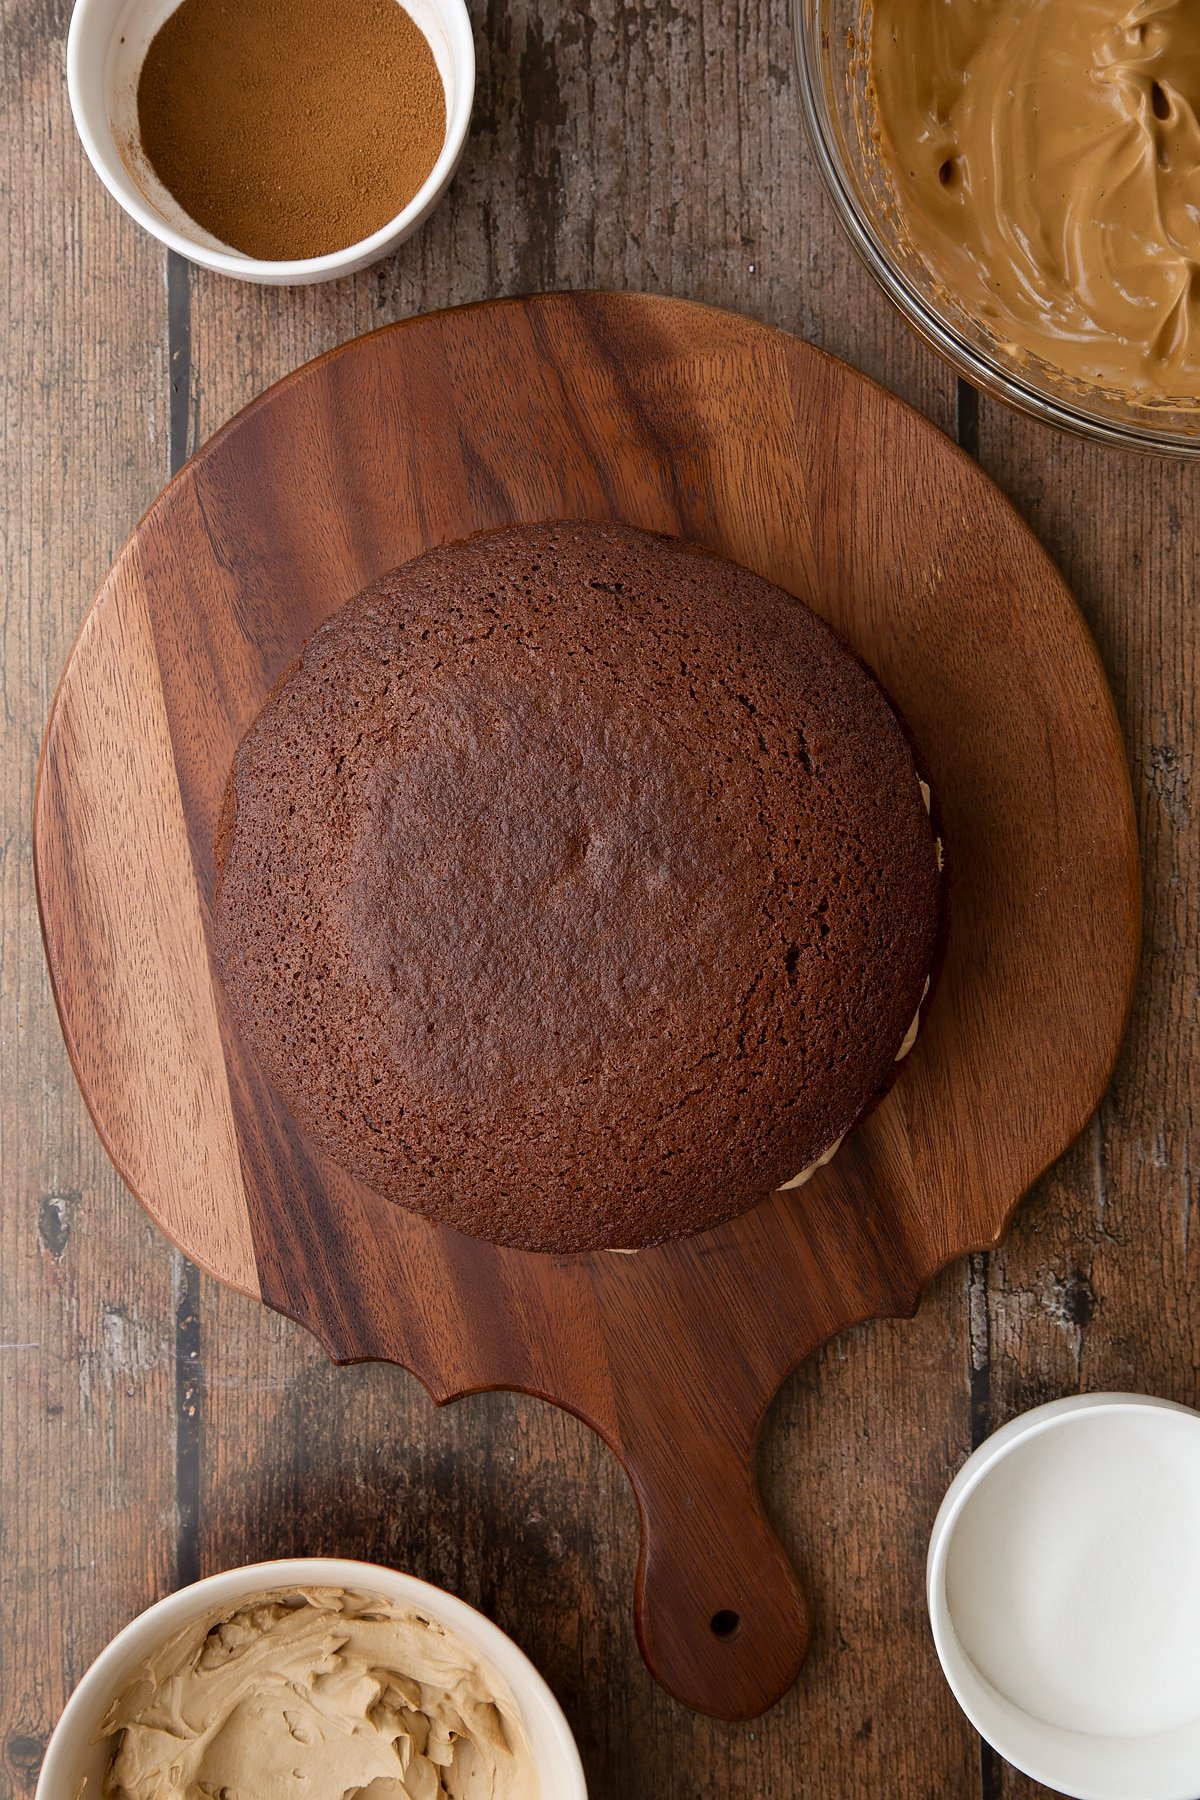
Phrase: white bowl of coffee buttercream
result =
(1063, 1583)
(74, 1753)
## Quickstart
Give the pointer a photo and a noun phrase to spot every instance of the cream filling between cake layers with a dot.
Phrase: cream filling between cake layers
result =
(827, 1156)
(906, 1044)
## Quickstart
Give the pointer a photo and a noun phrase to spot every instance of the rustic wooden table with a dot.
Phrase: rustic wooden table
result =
(152, 1426)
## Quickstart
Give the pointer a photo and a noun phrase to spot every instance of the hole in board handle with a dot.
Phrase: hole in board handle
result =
(725, 1624)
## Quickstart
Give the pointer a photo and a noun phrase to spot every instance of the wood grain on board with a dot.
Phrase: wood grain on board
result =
(621, 146)
(674, 417)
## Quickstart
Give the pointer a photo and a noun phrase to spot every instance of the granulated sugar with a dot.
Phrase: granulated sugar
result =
(1073, 1574)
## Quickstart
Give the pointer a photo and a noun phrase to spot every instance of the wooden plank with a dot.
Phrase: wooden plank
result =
(87, 1339)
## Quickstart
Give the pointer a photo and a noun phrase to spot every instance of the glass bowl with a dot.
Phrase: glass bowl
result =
(831, 58)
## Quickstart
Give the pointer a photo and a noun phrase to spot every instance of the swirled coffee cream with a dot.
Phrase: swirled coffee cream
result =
(1044, 157)
(316, 1695)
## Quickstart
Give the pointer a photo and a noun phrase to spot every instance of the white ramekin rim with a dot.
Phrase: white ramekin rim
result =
(100, 147)
(1082, 1766)
(555, 1751)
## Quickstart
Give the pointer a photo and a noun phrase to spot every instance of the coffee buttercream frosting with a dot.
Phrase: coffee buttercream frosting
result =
(316, 1695)
(1044, 156)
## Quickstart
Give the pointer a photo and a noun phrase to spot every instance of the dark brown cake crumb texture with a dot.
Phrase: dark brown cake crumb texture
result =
(577, 888)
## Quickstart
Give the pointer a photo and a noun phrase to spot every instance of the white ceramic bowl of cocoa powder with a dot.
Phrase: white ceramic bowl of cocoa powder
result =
(106, 46)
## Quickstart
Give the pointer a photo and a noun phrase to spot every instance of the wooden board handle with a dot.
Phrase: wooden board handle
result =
(721, 1619)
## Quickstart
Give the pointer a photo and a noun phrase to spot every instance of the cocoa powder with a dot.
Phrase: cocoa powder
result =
(291, 128)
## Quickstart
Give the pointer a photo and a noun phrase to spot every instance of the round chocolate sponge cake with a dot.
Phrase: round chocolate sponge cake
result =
(576, 887)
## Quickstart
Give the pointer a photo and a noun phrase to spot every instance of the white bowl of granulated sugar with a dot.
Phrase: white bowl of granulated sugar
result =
(1064, 1593)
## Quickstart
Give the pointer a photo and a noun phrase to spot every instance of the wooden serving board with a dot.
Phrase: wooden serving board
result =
(680, 419)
